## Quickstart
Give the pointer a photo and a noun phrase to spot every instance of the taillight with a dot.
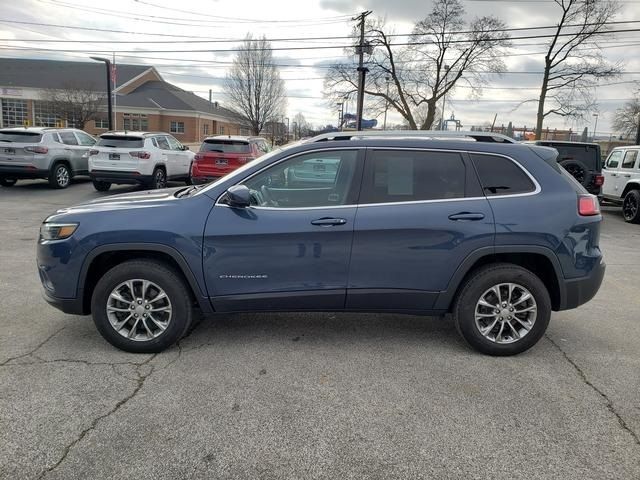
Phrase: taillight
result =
(93, 152)
(36, 149)
(588, 205)
(598, 180)
(141, 154)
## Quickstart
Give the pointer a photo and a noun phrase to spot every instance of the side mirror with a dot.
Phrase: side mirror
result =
(184, 147)
(239, 196)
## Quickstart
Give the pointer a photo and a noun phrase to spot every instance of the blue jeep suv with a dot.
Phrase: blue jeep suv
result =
(495, 233)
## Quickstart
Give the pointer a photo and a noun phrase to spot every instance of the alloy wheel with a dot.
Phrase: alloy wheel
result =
(630, 207)
(505, 313)
(62, 176)
(139, 310)
(160, 179)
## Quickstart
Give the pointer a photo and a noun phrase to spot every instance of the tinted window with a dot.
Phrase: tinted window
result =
(614, 159)
(19, 137)
(315, 179)
(630, 159)
(404, 176)
(501, 176)
(225, 146)
(118, 141)
(587, 154)
(85, 139)
(68, 138)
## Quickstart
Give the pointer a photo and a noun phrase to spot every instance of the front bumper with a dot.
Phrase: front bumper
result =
(126, 178)
(578, 291)
(72, 306)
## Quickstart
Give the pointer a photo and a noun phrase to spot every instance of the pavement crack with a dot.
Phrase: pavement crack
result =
(586, 381)
(94, 423)
(38, 347)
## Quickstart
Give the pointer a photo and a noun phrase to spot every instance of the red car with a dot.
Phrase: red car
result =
(222, 154)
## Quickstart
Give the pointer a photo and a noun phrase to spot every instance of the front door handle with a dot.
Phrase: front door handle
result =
(614, 174)
(466, 216)
(628, 175)
(328, 222)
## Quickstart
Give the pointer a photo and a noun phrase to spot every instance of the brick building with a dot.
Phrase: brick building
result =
(143, 99)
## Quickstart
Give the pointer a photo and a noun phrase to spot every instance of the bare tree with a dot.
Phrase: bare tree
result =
(444, 50)
(254, 86)
(627, 118)
(75, 103)
(301, 126)
(573, 63)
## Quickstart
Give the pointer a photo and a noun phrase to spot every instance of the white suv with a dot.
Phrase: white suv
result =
(622, 181)
(144, 158)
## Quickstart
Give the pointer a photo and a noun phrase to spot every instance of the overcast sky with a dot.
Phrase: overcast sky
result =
(186, 27)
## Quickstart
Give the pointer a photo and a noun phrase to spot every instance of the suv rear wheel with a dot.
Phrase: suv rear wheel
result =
(159, 179)
(141, 306)
(502, 309)
(631, 206)
(7, 182)
(60, 176)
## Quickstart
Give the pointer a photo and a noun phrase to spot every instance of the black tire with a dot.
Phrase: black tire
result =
(188, 180)
(101, 186)
(163, 276)
(60, 176)
(159, 179)
(482, 280)
(7, 182)
(631, 206)
(578, 170)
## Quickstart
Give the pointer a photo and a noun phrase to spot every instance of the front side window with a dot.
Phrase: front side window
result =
(85, 139)
(501, 176)
(317, 179)
(177, 127)
(404, 176)
(174, 144)
(630, 159)
(614, 159)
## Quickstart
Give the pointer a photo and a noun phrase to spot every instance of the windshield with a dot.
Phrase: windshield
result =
(225, 146)
(120, 142)
(20, 137)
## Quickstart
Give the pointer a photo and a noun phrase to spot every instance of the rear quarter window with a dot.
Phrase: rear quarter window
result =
(501, 176)
(120, 142)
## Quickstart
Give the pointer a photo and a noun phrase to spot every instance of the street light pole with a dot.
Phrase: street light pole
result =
(340, 105)
(595, 127)
(444, 97)
(109, 99)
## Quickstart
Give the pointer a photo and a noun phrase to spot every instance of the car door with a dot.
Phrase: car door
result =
(290, 249)
(610, 172)
(85, 142)
(181, 157)
(628, 169)
(72, 150)
(166, 154)
(420, 213)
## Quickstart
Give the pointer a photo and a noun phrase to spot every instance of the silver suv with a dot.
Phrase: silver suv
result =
(55, 154)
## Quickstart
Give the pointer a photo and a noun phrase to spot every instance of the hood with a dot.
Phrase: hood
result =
(125, 201)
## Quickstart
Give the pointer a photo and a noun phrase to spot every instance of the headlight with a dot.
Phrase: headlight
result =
(57, 231)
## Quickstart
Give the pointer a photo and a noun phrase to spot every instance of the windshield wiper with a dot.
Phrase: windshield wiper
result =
(188, 191)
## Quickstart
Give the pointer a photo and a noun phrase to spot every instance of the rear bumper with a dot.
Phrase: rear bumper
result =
(126, 178)
(18, 172)
(578, 291)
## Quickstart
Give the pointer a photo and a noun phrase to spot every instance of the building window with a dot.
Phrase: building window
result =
(135, 121)
(221, 130)
(14, 112)
(205, 129)
(177, 127)
(102, 122)
(45, 115)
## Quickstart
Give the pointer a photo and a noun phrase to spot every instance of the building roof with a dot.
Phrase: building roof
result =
(28, 73)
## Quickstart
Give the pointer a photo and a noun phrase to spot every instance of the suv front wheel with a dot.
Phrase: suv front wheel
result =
(631, 206)
(502, 309)
(141, 306)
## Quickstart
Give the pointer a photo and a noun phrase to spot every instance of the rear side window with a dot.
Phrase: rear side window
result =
(119, 141)
(630, 159)
(7, 136)
(501, 176)
(68, 138)
(225, 146)
(405, 176)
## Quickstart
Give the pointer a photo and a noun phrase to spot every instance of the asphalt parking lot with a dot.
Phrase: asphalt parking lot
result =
(313, 395)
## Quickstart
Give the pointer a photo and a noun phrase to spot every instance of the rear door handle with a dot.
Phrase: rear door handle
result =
(466, 216)
(628, 175)
(614, 174)
(329, 222)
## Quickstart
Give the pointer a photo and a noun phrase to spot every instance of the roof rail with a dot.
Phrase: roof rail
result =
(425, 134)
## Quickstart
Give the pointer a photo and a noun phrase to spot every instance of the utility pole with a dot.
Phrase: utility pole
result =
(386, 103)
(340, 106)
(361, 69)
(444, 97)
